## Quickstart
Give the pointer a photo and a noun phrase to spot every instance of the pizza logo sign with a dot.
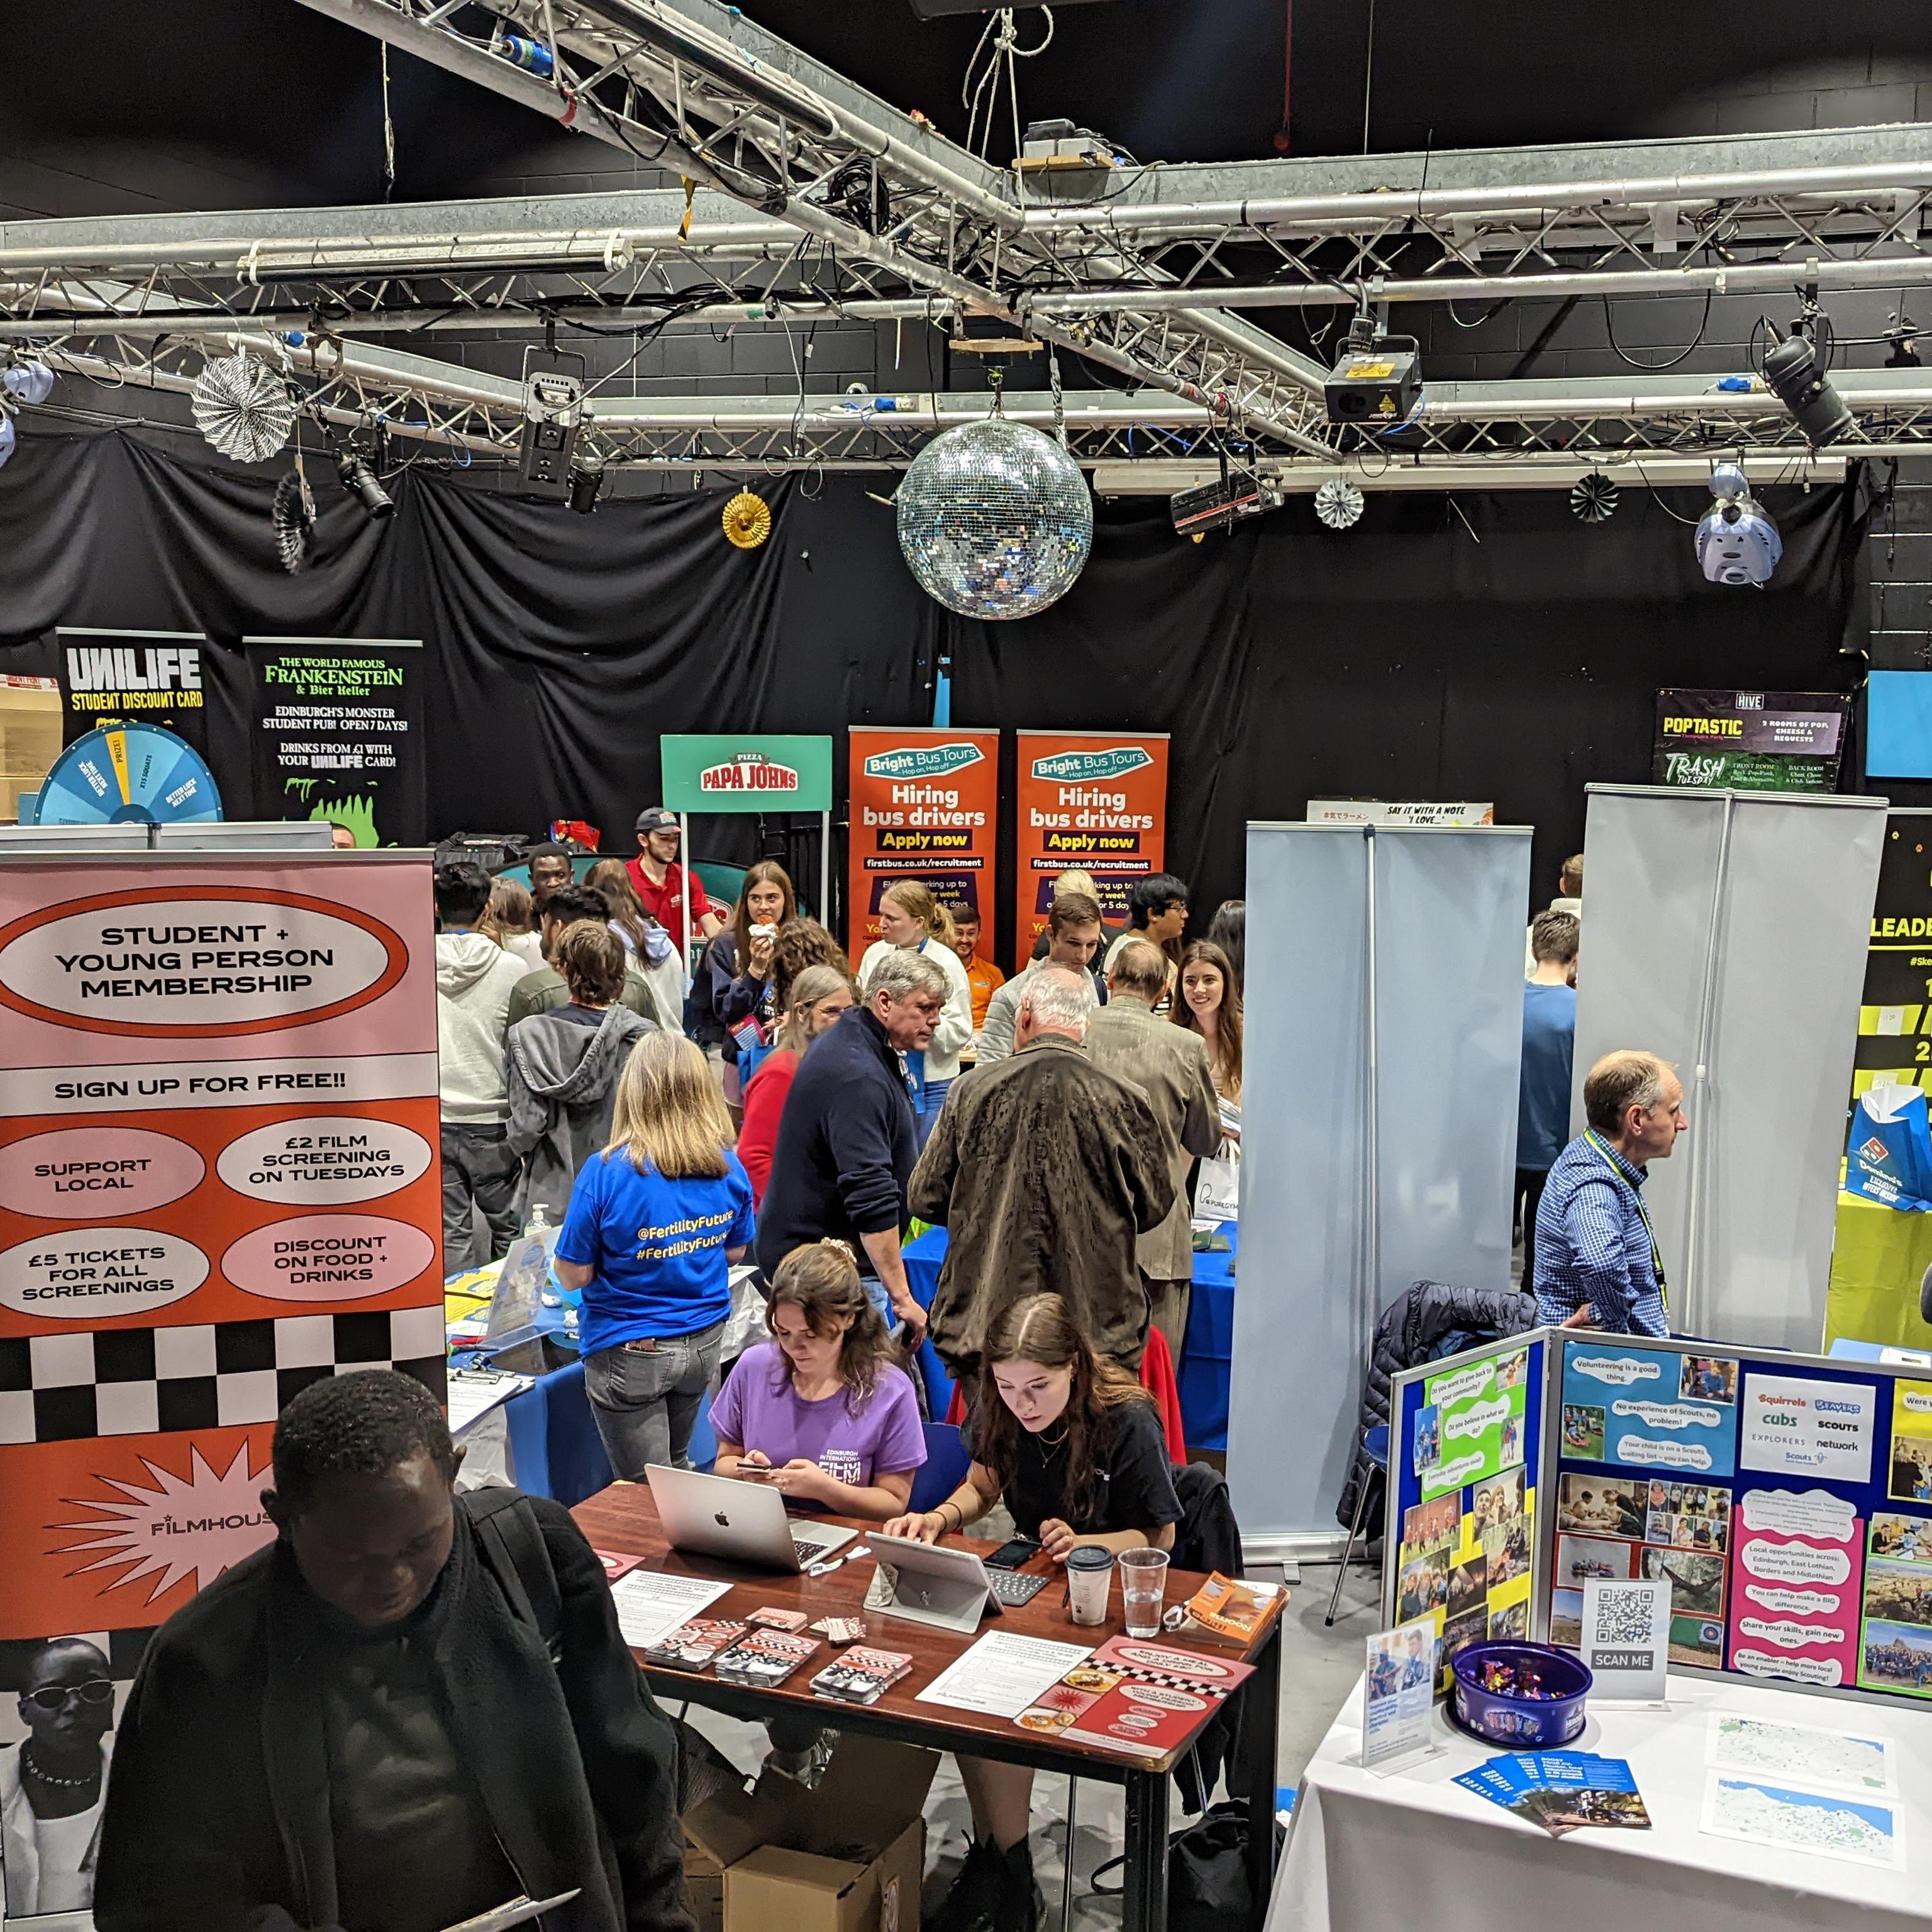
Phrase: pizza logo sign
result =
(749, 771)
(1874, 1149)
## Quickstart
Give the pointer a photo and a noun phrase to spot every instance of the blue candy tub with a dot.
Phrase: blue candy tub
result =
(1504, 1718)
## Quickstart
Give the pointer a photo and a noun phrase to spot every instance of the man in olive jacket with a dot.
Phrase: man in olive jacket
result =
(1169, 1064)
(1044, 1170)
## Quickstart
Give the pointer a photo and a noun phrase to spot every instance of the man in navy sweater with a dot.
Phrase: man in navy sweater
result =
(846, 1145)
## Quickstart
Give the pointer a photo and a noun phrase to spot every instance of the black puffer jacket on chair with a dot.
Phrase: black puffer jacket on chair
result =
(1423, 1323)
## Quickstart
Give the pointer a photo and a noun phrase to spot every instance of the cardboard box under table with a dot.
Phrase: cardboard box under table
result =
(847, 1856)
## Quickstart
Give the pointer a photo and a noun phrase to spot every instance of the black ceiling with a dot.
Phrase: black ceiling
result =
(284, 104)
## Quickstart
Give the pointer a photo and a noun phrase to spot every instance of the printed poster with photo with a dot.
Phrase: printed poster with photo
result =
(1470, 1423)
(1895, 1631)
(1649, 1409)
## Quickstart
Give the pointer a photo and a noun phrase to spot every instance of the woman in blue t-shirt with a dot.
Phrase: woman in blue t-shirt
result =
(655, 1222)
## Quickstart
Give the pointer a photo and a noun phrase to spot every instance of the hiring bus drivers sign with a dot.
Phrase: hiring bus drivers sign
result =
(925, 802)
(1097, 800)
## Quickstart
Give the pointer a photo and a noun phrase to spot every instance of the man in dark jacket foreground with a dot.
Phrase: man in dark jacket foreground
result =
(354, 1728)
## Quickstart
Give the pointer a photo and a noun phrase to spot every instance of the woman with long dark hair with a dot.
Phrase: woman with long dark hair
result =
(1072, 1444)
(652, 951)
(1210, 1004)
(735, 982)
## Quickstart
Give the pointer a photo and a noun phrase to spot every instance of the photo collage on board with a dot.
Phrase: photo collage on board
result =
(1464, 1554)
(1664, 1423)
(1895, 1636)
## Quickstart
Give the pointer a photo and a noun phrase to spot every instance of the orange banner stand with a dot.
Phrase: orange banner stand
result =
(924, 805)
(1097, 800)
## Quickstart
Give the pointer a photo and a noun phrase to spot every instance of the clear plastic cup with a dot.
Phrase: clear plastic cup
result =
(1090, 1573)
(1143, 1588)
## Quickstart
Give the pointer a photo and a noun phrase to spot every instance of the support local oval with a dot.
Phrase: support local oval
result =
(85, 1174)
(97, 1274)
(324, 1160)
(208, 960)
(329, 1257)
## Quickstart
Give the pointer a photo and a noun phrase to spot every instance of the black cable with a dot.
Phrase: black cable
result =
(1656, 368)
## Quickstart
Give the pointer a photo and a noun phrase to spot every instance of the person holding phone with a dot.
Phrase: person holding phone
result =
(824, 1412)
(735, 983)
(1073, 1444)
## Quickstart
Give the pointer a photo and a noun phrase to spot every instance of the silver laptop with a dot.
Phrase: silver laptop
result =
(948, 1588)
(718, 1516)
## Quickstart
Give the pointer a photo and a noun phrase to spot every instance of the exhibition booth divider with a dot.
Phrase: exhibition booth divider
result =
(1786, 1498)
(1378, 1135)
(1727, 932)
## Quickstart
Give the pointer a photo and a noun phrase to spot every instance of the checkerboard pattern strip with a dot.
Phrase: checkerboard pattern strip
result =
(133, 1381)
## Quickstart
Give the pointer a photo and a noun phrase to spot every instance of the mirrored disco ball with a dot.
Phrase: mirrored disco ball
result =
(244, 408)
(995, 519)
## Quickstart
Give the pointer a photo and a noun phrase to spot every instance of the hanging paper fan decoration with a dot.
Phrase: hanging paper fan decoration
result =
(1338, 503)
(244, 408)
(748, 520)
(294, 521)
(1593, 498)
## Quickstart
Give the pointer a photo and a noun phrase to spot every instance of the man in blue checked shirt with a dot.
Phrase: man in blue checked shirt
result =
(1597, 1262)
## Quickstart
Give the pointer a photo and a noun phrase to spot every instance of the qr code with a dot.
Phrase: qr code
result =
(1623, 1615)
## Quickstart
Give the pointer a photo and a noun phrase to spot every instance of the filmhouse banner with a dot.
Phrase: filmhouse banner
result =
(338, 732)
(218, 1183)
(1749, 740)
(151, 677)
(1094, 799)
(925, 803)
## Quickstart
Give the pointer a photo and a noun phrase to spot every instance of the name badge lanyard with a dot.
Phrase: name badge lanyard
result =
(1602, 1153)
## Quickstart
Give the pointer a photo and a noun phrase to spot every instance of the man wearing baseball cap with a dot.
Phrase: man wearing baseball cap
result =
(659, 880)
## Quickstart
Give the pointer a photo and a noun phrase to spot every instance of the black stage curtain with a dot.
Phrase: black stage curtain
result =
(1491, 647)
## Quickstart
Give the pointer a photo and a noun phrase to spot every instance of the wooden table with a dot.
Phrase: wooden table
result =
(623, 1517)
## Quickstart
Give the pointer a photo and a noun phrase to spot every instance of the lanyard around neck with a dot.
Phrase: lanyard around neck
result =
(1602, 1153)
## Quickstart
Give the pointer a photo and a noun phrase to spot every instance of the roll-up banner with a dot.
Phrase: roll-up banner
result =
(925, 803)
(338, 734)
(218, 1183)
(1097, 800)
(152, 677)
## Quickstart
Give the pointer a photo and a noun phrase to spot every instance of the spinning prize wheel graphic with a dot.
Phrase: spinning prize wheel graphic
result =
(123, 774)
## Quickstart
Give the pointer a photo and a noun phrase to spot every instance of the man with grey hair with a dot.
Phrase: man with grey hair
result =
(845, 1143)
(1044, 1170)
(1597, 1262)
(1170, 1064)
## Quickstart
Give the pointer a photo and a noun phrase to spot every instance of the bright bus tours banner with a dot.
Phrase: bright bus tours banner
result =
(925, 803)
(1094, 799)
(338, 733)
(218, 1184)
(1749, 740)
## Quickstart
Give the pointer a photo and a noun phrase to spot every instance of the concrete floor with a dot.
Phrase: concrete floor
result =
(1319, 1666)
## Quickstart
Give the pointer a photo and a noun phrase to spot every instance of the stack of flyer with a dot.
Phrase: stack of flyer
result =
(1147, 1699)
(692, 1646)
(1562, 1791)
(862, 1674)
(763, 1659)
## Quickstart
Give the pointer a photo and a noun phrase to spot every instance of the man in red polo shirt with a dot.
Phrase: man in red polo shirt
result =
(659, 880)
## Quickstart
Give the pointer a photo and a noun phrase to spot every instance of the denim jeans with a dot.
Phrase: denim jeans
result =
(477, 1172)
(646, 1405)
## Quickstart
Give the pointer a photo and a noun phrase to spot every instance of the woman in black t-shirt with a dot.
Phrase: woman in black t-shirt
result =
(1072, 1443)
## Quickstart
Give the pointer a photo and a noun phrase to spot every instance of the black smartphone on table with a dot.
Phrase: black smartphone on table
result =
(1011, 1556)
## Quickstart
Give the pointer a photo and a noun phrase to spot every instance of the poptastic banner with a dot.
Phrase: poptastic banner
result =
(925, 802)
(1094, 799)
(218, 1182)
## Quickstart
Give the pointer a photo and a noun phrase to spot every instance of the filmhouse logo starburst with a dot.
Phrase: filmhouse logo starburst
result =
(193, 1526)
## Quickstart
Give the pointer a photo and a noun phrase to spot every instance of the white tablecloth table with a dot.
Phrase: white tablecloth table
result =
(1370, 1853)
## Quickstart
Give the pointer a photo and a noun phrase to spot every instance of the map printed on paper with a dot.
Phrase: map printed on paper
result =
(1865, 1831)
(1807, 1753)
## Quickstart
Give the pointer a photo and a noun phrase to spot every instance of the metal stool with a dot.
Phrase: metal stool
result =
(1375, 1447)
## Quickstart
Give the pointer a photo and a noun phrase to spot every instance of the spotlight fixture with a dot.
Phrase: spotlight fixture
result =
(1593, 498)
(552, 415)
(1737, 543)
(243, 407)
(1378, 382)
(1339, 504)
(294, 518)
(9, 442)
(27, 382)
(586, 479)
(359, 480)
(1797, 378)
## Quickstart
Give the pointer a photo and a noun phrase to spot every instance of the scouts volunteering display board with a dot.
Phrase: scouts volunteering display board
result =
(924, 805)
(218, 1183)
(1463, 1447)
(1786, 1499)
(1097, 800)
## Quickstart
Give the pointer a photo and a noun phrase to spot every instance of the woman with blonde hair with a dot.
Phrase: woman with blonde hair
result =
(652, 950)
(655, 1221)
(510, 919)
(818, 995)
(909, 916)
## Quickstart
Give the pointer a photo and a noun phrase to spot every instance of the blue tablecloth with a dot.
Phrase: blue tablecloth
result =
(1202, 1373)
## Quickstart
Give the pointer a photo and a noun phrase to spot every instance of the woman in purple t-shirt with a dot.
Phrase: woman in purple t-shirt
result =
(825, 1414)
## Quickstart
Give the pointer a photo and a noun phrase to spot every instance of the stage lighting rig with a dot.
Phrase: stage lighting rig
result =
(586, 479)
(1378, 382)
(553, 417)
(360, 480)
(1236, 495)
(1795, 372)
(1737, 543)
